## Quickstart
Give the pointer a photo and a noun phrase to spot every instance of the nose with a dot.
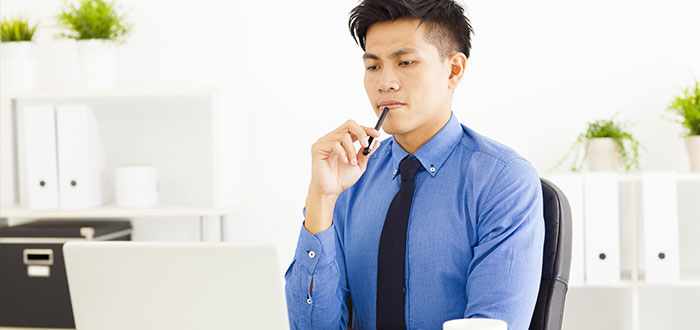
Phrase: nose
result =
(387, 81)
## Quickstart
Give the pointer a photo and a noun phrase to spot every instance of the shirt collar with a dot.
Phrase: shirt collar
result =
(433, 153)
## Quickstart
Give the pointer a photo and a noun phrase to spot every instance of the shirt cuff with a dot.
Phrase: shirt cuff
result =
(315, 250)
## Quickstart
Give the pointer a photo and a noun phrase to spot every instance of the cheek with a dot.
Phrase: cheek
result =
(435, 83)
(427, 89)
(370, 90)
(369, 84)
(422, 85)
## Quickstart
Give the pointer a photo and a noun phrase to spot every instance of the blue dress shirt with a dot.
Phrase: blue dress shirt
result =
(473, 248)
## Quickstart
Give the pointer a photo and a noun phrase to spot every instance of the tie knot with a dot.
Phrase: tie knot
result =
(408, 168)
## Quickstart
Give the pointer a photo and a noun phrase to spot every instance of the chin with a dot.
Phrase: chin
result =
(394, 130)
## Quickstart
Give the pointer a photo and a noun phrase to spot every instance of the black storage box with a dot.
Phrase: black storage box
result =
(33, 285)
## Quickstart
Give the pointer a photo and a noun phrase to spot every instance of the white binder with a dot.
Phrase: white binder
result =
(602, 234)
(36, 139)
(572, 186)
(659, 260)
(80, 158)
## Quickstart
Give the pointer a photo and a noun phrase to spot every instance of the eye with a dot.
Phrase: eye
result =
(372, 67)
(406, 62)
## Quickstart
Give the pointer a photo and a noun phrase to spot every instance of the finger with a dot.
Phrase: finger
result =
(350, 149)
(362, 159)
(371, 131)
(358, 133)
(324, 148)
(338, 150)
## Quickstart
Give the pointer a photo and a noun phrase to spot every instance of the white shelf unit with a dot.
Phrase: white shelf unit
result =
(193, 137)
(109, 211)
(634, 304)
(203, 214)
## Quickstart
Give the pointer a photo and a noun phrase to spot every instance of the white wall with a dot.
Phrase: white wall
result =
(539, 71)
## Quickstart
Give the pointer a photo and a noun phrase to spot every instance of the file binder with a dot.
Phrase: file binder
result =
(659, 259)
(602, 227)
(80, 158)
(572, 186)
(36, 139)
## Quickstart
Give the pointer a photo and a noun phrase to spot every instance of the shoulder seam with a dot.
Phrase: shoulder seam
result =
(517, 156)
(505, 165)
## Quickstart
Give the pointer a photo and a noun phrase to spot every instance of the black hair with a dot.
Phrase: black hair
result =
(446, 26)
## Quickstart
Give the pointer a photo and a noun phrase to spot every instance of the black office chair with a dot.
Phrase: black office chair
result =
(556, 262)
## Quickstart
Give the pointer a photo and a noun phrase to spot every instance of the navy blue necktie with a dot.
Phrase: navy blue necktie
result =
(392, 252)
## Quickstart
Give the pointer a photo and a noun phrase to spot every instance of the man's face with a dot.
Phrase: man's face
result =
(402, 68)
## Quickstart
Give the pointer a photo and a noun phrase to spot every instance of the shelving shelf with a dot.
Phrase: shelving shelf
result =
(111, 211)
(683, 284)
(680, 177)
(191, 135)
(689, 279)
(632, 303)
(202, 213)
(118, 93)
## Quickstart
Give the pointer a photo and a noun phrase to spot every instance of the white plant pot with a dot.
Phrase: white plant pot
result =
(692, 143)
(96, 64)
(602, 155)
(19, 66)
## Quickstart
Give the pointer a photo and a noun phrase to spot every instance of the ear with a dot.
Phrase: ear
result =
(457, 62)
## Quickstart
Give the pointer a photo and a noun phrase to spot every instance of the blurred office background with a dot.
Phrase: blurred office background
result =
(538, 73)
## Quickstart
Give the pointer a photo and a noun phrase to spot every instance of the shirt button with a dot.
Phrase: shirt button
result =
(308, 300)
(312, 254)
(432, 169)
(395, 171)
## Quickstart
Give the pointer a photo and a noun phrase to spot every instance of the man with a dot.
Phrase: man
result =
(437, 222)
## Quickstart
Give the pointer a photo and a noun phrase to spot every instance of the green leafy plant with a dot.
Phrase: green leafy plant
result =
(16, 29)
(687, 107)
(627, 145)
(93, 19)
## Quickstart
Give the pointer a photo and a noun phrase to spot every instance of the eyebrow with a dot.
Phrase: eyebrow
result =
(402, 51)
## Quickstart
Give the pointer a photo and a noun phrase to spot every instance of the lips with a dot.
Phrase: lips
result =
(391, 104)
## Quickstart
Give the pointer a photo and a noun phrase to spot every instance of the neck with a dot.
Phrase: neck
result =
(413, 140)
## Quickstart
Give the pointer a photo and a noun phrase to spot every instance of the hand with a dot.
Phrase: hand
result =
(335, 164)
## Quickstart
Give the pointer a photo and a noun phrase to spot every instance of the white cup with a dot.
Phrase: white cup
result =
(475, 324)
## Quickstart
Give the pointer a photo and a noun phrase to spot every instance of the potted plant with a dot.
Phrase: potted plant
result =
(607, 144)
(687, 107)
(18, 62)
(97, 26)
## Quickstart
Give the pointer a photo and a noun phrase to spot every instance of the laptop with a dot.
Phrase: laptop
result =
(169, 286)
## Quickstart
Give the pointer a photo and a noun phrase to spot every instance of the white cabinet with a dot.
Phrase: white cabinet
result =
(635, 304)
(195, 138)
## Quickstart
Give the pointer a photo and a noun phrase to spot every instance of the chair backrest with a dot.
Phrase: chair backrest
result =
(556, 261)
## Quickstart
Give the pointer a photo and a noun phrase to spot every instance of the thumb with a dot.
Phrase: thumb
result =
(362, 159)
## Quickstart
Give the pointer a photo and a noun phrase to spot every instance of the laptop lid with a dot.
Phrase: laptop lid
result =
(159, 286)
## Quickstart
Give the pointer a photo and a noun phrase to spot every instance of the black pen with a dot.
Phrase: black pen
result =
(377, 127)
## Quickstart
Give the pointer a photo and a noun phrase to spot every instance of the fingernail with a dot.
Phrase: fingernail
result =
(354, 161)
(345, 159)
